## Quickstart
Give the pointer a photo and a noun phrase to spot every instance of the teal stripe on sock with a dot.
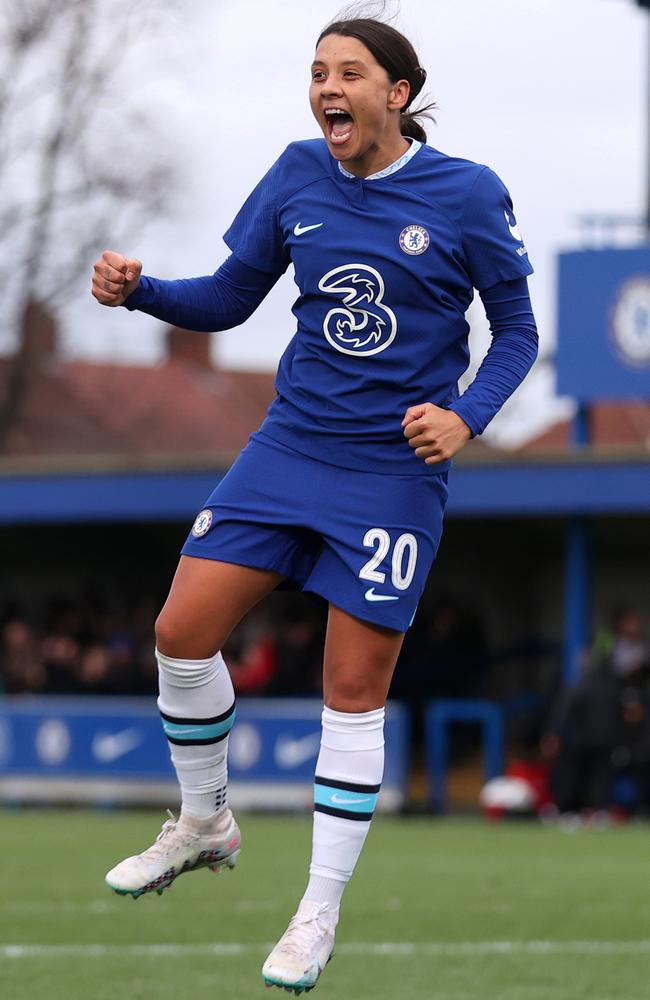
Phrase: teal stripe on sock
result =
(195, 731)
(342, 798)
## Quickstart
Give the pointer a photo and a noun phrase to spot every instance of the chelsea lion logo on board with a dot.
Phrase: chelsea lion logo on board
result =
(202, 524)
(414, 240)
(631, 322)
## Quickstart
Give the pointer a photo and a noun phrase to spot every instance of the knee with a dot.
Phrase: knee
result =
(355, 686)
(176, 639)
(167, 636)
(354, 695)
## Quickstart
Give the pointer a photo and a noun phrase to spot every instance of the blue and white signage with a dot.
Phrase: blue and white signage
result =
(604, 324)
(113, 749)
(630, 322)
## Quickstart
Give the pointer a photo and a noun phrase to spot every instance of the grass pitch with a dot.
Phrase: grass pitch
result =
(438, 909)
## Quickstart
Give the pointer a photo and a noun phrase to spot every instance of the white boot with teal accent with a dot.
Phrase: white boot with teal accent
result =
(304, 949)
(182, 845)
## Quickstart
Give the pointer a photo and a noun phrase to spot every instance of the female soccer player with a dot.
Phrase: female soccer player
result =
(343, 488)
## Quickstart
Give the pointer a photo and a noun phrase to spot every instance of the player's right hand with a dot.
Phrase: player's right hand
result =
(114, 278)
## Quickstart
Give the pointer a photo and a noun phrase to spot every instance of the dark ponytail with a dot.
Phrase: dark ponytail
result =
(394, 52)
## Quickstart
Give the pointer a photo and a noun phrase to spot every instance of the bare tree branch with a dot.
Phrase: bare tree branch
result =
(59, 59)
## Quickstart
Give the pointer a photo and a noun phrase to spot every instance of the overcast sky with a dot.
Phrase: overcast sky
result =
(550, 93)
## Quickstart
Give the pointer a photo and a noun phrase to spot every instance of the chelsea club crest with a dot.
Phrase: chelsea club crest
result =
(414, 240)
(630, 324)
(202, 524)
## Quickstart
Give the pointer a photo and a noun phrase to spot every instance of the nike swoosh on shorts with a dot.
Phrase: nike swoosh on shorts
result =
(371, 596)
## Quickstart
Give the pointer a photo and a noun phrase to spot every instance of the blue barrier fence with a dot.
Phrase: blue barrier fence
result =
(112, 750)
(439, 717)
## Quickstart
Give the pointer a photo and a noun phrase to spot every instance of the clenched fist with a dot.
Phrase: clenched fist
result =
(434, 433)
(114, 278)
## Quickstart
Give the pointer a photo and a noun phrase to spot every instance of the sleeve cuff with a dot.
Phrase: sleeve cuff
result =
(140, 296)
(464, 409)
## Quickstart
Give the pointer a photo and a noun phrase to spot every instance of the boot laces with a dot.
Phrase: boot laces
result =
(303, 932)
(163, 841)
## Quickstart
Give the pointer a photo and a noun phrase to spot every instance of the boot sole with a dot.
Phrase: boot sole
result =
(165, 880)
(295, 988)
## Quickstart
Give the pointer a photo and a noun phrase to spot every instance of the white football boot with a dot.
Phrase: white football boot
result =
(181, 846)
(304, 949)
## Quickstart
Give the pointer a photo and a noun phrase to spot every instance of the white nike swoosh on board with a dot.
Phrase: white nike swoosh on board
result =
(371, 596)
(299, 229)
(107, 747)
(348, 802)
(289, 752)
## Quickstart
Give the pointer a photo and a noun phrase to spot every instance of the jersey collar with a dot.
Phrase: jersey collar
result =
(391, 168)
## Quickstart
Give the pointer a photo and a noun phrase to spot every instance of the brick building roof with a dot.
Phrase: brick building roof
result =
(187, 408)
(611, 425)
(185, 405)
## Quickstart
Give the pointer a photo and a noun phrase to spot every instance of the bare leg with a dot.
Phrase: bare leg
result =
(359, 662)
(206, 601)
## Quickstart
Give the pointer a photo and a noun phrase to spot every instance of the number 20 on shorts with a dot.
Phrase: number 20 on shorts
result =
(405, 548)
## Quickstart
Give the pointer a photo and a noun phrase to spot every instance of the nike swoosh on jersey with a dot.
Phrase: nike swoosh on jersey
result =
(299, 229)
(371, 596)
(348, 802)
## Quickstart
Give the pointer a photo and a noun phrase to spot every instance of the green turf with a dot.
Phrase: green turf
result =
(427, 882)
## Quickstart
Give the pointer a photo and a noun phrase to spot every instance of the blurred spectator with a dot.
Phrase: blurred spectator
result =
(579, 741)
(277, 649)
(101, 641)
(94, 674)
(78, 646)
(300, 635)
(598, 734)
(444, 654)
(21, 663)
(96, 645)
(624, 647)
(251, 655)
(632, 755)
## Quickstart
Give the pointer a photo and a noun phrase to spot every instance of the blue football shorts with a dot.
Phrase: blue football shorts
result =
(364, 541)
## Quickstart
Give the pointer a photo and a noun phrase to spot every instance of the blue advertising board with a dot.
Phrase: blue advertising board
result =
(113, 750)
(603, 347)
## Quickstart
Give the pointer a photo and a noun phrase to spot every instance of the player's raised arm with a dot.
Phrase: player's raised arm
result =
(208, 303)
(114, 278)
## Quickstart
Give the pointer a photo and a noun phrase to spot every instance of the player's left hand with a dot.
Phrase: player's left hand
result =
(436, 434)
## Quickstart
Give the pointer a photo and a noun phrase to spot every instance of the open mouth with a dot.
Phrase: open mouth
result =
(339, 125)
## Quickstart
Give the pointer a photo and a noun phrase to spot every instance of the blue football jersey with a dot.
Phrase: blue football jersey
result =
(386, 268)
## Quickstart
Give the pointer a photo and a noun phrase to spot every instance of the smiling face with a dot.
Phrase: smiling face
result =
(357, 105)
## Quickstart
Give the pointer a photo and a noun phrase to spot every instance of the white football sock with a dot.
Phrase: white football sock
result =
(197, 708)
(348, 776)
